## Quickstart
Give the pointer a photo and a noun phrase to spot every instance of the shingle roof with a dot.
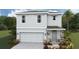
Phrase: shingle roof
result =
(53, 27)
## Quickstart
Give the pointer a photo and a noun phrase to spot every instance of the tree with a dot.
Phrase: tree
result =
(3, 27)
(2, 19)
(66, 18)
(74, 23)
(9, 22)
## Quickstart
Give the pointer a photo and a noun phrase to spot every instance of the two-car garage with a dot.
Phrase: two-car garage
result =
(31, 36)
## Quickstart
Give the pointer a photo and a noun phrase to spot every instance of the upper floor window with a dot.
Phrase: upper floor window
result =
(54, 17)
(23, 19)
(39, 19)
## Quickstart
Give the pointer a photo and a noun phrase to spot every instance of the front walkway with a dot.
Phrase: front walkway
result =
(28, 45)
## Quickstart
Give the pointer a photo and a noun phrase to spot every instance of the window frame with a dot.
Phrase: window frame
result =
(23, 19)
(54, 17)
(39, 19)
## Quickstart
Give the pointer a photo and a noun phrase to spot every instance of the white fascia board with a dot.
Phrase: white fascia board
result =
(26, 13)
(30, 27)
(55, 13)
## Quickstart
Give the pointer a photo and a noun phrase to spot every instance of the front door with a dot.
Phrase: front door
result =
(54, 36)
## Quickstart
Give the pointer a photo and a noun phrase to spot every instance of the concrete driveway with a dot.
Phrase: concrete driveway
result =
(28, 45)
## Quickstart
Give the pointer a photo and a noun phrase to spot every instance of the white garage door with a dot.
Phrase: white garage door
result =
(32, 37)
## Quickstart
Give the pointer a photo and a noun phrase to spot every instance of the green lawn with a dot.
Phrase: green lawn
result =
(75, 39)
(4, 33)
(4, 38)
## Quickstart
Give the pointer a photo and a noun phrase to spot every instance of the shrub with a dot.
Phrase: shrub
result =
(13, 42)
(47, 43)
(13, 30)
(66, 44)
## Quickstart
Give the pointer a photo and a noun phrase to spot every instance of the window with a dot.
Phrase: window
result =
(54, 17)
(23, 19)
(39, 19)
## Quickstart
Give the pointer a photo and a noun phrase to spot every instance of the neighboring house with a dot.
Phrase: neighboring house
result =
(39, 25)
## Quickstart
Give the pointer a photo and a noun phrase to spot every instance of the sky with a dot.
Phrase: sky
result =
(5, 12)
(10, 12)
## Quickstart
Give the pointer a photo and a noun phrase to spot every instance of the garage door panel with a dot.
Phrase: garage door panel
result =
(32, 37)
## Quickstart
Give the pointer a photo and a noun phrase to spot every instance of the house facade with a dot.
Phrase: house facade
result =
(37, 26)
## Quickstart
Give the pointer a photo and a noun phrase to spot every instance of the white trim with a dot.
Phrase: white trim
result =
(31, 30)
(56, 29)
(28, 13)
(18, 13)
(29, 27)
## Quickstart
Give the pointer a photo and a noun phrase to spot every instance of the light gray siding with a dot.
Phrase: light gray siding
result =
(56, 22)
(31, 21)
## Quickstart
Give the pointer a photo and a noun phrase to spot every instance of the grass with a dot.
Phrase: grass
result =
(5, 36)
(75, 39)
(4, 33)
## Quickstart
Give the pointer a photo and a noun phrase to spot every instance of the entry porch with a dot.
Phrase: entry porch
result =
(54, 34)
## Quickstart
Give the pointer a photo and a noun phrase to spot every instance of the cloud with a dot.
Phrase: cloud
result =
(13, 12)
(75, 10)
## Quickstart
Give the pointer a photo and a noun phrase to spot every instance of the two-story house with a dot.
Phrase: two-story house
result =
(39, 25)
